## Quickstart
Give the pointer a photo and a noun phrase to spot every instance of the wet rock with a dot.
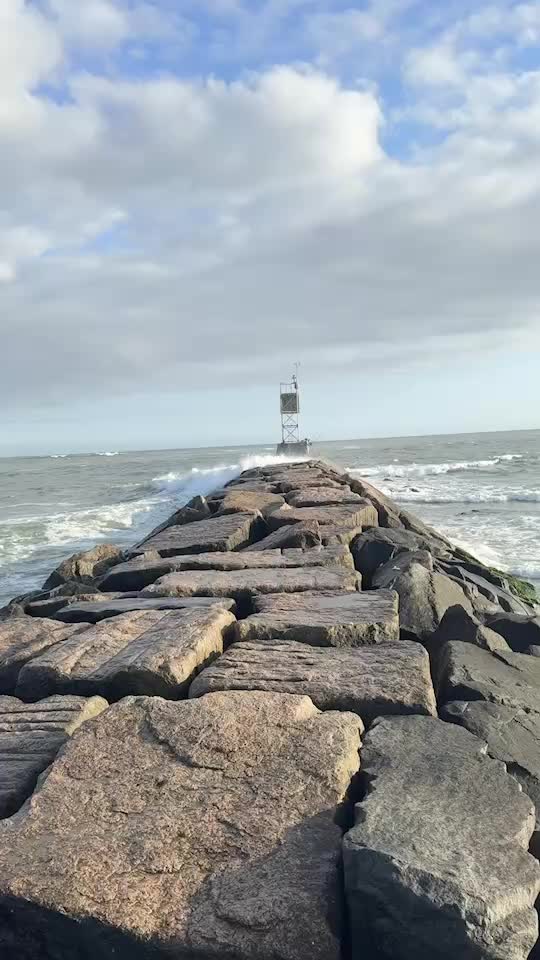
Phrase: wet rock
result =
(322, 497)
(369, 681)
(139, 573)
(23, 638)
(294, 535)
(154, 653)
(206, 536)
(104, 608)
(460, 624)
(324, 619)
(85, 566)
(31, 736)
(243, 585)
(145, 839)
(465, 672)
(361, 514)
(437, 864)
(513, 736)
(245, 501)
(520, 632)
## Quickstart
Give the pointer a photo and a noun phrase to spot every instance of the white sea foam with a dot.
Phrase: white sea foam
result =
(202, 480)
(462, 496)
(433, 469)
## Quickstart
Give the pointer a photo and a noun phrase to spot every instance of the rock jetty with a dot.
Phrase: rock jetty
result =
(293, 723)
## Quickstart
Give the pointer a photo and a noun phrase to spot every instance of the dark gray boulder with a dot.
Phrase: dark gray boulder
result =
(460, 624)
(520, 632)
(437, 863)
(465, 672)
(513, 736)
(375, 547)
(424, 594)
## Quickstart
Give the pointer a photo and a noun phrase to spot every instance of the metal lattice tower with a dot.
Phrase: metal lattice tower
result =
(290, 409)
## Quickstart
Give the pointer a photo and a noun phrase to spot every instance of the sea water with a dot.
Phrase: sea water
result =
(481, 490)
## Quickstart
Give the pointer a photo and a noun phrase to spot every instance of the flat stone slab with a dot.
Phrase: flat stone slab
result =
(324, 619)
(248, 501)
(155, 653)
(361, 514)
(242, 585)
(513, 736)
(466, 672)
(295, 535)
(204, 536)
(141, 572)
(23, 638)
(105, 609)
(369, 681)
(204, 828)
(322, 497)
(437, 864)
(31, 736)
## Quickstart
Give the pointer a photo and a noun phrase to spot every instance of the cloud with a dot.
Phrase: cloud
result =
(163, 226)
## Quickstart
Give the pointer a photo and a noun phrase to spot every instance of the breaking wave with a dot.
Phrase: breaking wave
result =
(477, 496)
(435, 469)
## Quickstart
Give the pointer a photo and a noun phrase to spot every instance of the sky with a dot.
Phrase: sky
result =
(196, 194)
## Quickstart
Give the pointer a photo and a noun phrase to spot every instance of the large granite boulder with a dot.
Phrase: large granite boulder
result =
(322, 497)
(243, 585)
(376, 546)
(424, 595)
(23, 638)
(520, 632)
(141, 572)
(196, 509)
(488, 584)
(103, 608)
(437, 863)
(205, 828)
(513, 736)
(459, 624)
(465, 672)
(369, 681)
(248, 501)
(31, 736)
(294, 535)
(153, 652)
(361, 514)
(85, 566)
(323, 619)
(205, 536)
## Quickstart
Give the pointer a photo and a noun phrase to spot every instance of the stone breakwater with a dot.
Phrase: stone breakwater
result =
(294, 723)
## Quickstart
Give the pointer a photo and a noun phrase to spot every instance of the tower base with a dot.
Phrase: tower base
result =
(299, 448)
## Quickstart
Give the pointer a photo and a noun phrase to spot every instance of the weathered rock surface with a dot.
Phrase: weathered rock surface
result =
(369, 681)
(513, 736)
(50, 607)
(487, 584)
(31, 736)
(322, 496)
(104, 608)
(196, 829)
(196, 509)
(141, 572)
(242, 585)
(296, 535)
(520, 632)
(466, 672)
(154, 653)
(375, 547)
(324, 619)
(246, 501)
(85, 566)
(361, 514)
(338, 534)
(437, 864)
(23, 638)
(460, 624)
(424, 596)
(205, 536)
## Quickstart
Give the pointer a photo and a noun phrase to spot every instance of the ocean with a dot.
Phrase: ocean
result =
(480, 490)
